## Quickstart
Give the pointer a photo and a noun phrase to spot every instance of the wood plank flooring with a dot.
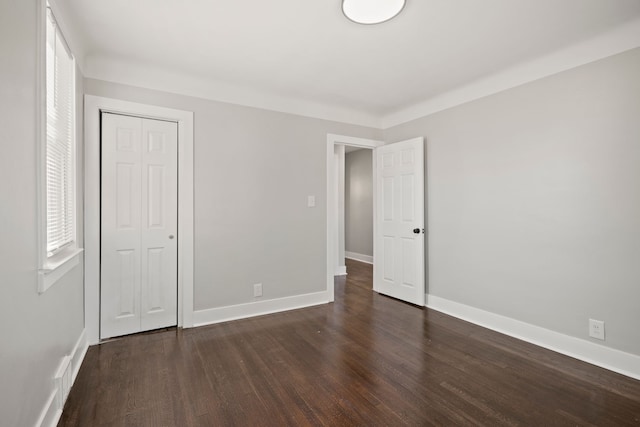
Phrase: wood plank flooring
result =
(364, 360)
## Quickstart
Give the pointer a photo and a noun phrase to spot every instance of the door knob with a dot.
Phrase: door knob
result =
(416, 230)
(171, 236)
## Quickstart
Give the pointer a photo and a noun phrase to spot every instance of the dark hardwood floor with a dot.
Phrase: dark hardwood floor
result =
(364, 360)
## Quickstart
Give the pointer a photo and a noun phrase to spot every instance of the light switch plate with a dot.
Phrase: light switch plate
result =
(311, 201)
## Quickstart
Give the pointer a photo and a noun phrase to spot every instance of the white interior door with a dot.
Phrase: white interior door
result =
(139, 213)
(399, 239)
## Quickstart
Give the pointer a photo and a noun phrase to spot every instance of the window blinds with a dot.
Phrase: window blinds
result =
(60, 140)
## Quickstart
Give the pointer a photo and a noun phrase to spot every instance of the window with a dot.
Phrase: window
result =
(60, 141)
(58, 168)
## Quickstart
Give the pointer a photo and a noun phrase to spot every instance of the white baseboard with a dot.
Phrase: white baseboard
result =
(614, 360)
(341, 270)
(78, 354)
(258, 308)
(359, 257)
(52, 410)
(50, 413)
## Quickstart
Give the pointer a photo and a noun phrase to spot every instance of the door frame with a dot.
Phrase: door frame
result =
(332, 220)
(93, 107)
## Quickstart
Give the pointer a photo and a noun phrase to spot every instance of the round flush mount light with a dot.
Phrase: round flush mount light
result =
(371, 11)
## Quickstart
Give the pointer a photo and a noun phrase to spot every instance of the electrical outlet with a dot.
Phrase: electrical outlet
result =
(257, 290)
(596, 329)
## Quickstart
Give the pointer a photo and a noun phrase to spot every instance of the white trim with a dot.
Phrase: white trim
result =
(93, 107)
(353, 141)
(63, 383)
(112, 69)
(146, 76)
(50, 414)
(258, 308)
(56, 268)
(78, 353)
(52, 409)
(618, 40)
(359, 257)
(332, 222)
(614, 360)
(339, 205)
(341, 270)
(41, 132)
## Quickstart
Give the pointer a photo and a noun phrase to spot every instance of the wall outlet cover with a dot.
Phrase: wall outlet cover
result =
(257, 290)
(596, 329)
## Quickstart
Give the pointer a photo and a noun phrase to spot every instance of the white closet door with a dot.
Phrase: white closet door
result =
(159, 278)
(138, 289)
(399, 240)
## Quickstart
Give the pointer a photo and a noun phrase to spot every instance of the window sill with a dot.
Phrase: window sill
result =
(56, 267)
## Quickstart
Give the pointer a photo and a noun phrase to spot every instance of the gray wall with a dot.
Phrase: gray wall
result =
(534, 208)
(533, 201)
(359, 202)
(36, 330)
(253, 172)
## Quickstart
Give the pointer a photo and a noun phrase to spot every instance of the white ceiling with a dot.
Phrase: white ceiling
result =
(305, 53)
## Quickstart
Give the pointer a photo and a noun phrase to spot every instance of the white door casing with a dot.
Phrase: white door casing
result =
(398, 249)
(139, 225)
(94, 106)
(341, 268)
(332, 194)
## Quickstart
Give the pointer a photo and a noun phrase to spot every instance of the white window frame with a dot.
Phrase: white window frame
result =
(53, 268)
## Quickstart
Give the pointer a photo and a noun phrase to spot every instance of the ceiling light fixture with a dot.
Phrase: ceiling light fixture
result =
(371, 11)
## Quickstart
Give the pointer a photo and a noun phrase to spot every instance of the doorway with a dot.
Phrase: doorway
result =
(358, 204)
(335, 210)
(94, 107)
(398, 216)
